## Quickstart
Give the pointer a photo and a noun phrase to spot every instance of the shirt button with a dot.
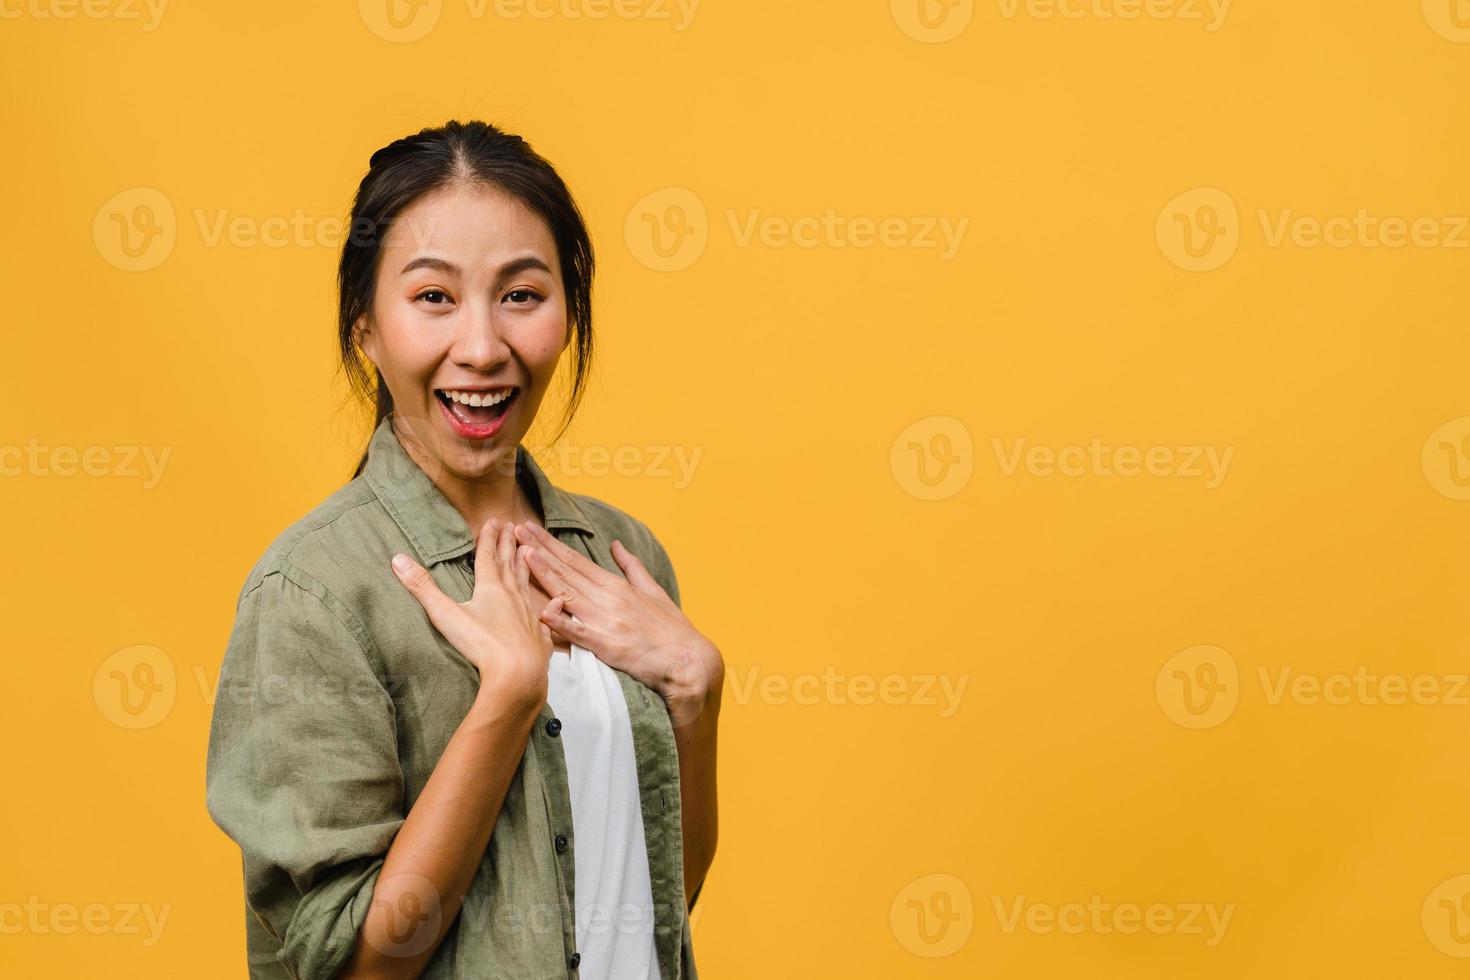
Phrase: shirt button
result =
(553, 727)
(561, 843)
(573, 960)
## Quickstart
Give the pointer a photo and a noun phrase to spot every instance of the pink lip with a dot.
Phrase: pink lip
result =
(468, 431)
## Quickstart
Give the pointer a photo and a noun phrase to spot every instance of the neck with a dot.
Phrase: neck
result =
(496, 493)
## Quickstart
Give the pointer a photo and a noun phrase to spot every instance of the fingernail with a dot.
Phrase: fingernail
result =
(402, 563)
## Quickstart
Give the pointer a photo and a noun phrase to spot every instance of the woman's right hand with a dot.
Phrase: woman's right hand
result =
(499, 629)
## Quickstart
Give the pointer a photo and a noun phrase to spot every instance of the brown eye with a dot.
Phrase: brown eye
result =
(527, 294)
(433, 292)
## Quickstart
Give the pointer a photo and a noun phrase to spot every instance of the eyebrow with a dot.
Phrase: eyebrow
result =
(444, 265)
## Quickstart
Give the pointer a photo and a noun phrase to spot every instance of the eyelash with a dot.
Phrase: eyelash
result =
(440, 292)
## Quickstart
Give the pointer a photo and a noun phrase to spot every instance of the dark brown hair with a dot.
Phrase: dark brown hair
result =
(406, 169)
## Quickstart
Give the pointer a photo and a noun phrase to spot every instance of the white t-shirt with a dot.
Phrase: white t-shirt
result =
(614, 896)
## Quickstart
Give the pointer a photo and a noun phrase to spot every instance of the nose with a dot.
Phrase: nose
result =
(478, 344)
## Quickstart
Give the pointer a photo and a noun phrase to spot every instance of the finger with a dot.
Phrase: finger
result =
(543, 542)
(505, 549)
(416, 579)
(523, 573)
(485, 551)
(570, 562)
(562, 623)
(557, 579)
(548, 568)
(638, 576)
(523, 585)
(551, 608)
(551, 579)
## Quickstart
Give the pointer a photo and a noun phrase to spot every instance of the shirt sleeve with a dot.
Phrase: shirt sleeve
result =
(303, 771)
(662, 569)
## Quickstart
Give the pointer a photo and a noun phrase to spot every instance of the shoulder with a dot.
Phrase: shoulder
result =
(612, 523)
(299, 607)
(325, 545)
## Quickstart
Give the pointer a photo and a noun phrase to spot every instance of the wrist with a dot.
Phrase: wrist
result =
(693, 691)
(505, 694)
(694, 717)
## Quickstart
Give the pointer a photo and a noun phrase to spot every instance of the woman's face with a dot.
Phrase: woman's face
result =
(467, 323)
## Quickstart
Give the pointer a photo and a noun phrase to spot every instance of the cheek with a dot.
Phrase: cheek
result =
(405, 354)
(542, 342)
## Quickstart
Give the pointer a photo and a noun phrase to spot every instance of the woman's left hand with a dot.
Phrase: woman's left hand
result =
(629, 623)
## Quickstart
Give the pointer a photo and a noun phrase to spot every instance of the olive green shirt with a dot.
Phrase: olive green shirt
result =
(336, 699)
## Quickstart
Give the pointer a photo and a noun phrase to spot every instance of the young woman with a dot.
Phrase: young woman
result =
(463, 728)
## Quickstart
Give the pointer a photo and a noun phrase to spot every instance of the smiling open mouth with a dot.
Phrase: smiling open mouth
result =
(476, 413)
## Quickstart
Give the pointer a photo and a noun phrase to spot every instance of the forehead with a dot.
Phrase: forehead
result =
(469, 221)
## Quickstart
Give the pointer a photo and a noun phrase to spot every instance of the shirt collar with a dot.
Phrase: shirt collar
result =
(426, 516)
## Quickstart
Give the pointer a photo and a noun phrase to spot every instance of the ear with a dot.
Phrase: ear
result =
(366, 338)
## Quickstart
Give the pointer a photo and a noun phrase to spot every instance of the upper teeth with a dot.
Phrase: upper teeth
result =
(478, 399)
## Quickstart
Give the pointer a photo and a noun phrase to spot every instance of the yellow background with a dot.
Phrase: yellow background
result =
(826, 386)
